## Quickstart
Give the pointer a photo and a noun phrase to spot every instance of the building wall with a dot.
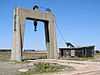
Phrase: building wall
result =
(79, 52)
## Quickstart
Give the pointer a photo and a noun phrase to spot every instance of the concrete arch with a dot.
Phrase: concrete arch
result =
(18, 31)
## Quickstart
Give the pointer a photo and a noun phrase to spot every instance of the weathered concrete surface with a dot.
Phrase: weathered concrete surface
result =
(20, 15)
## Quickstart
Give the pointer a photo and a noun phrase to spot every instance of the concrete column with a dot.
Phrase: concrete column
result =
(52, 46)
(18, 36)
(13, 50)
(22, 29)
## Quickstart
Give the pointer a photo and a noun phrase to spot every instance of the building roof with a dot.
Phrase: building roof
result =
(77, 48)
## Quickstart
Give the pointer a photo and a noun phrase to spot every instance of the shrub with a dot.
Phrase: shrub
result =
(47, 67)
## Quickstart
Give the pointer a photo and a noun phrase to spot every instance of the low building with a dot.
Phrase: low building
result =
(77, 52)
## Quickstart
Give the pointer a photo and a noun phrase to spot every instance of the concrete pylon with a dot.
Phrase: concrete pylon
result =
(18, 31)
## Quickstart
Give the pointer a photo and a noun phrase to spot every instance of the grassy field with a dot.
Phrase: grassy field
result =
(5, 56)
(34, 55)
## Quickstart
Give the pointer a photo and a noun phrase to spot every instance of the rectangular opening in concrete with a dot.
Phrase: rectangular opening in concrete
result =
(34, 41)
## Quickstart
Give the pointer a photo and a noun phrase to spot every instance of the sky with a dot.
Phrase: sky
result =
(78, 22)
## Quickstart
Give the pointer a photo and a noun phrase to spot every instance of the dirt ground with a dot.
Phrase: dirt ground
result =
(81, 67)
(7, 68)
(90, 67)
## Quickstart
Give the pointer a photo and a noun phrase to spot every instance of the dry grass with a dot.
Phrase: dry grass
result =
(45, 68)
(34, 55)
(4, 56)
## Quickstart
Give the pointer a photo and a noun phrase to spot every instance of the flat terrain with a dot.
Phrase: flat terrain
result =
(7, 68)
(87, 67)
(81, 67)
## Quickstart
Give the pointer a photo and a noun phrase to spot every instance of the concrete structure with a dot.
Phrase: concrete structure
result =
(77, 52)
(20, 15)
